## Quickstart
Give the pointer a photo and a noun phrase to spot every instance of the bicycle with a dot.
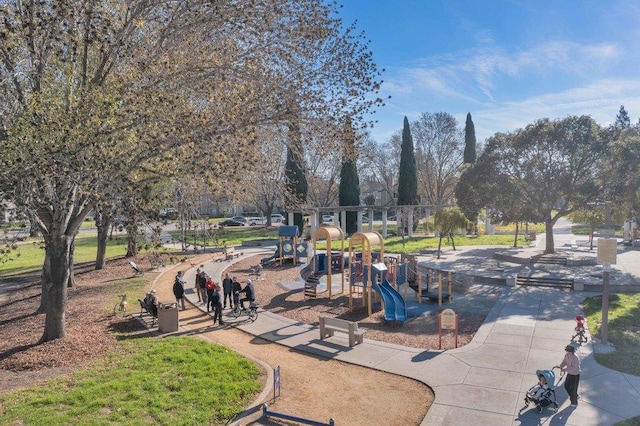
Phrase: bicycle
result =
(120, 308)
(252, 312)
(580, 330)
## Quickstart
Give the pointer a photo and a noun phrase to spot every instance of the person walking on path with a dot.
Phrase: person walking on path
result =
(215, 300)
(197, 284)
(236, 288)
(227, 287)
(202, 285)
(178, 290)
(211, 288)
(571, 366)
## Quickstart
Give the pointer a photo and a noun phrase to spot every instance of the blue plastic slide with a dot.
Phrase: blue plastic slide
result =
(395, 309)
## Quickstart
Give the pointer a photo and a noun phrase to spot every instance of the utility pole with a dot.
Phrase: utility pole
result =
(607, 248)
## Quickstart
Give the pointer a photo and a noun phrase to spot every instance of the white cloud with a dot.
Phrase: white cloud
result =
(505, 91)
(477, 75)
(600, 99)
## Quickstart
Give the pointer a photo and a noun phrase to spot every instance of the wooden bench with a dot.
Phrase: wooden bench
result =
(230, 253)
(330, 325)
(151, 310)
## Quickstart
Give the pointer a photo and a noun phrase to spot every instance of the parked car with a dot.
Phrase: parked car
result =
(255, 220)
(365, 219)
(241, 219)
(230, 222)
(327, 219)
(277, 218)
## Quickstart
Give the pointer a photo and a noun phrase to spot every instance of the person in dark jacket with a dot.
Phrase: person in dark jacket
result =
(215, 300)
(197, 284)
(236, 288)
(178, 290)
(227, 288)
(249, 294)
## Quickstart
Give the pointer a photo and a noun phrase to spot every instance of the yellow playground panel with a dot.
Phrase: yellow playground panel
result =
(331, 234)
(367, 241)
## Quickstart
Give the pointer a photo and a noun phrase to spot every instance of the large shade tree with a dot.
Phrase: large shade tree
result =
(91, 92)
(551, 165)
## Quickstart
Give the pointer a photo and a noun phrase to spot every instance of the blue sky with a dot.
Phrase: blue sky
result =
(507, 62)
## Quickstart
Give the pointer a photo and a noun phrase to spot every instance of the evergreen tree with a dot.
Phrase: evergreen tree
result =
(296, 180)
(408, 176)
(349, 181)
(623, 121)
(469, 141)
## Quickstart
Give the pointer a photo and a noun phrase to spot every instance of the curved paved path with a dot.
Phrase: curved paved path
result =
(485, 381)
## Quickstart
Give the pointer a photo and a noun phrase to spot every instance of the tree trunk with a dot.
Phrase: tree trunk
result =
(45, 289)
(439, 245)
(132, 244)
(132, 234)
(549, 246)
(515, 240)
(55, 276)
(453, 241)
(72, 277)
(103, 236)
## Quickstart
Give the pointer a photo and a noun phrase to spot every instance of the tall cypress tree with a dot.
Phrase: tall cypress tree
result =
(623, 121)
(469, 141)
(408, 176)
(294, 172)
(349, 182)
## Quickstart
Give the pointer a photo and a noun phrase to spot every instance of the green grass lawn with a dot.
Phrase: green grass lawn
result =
(416, 243)
(235, 235)
(29, 256)
(623, 331)
(177, 381)
(229, 235)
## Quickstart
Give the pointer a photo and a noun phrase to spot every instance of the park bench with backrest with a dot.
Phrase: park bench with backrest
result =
(150, 309)
(330, 325)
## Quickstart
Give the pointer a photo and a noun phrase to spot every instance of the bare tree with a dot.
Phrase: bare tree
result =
(379, 164)
(439, 153)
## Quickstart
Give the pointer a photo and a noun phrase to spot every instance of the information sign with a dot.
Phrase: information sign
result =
(607, 250)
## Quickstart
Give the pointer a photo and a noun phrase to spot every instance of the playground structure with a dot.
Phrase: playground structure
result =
(326, 263)
(423, 283)
(371, 273)
(367, 273)
(289, 246)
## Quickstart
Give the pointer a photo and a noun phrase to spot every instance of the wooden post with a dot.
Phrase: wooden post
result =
(439, 288)
(450, 280)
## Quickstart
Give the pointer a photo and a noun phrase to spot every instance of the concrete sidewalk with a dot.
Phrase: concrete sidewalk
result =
(485, 381)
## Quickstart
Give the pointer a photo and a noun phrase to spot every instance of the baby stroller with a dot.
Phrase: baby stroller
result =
(580, 330)
(543, 393)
